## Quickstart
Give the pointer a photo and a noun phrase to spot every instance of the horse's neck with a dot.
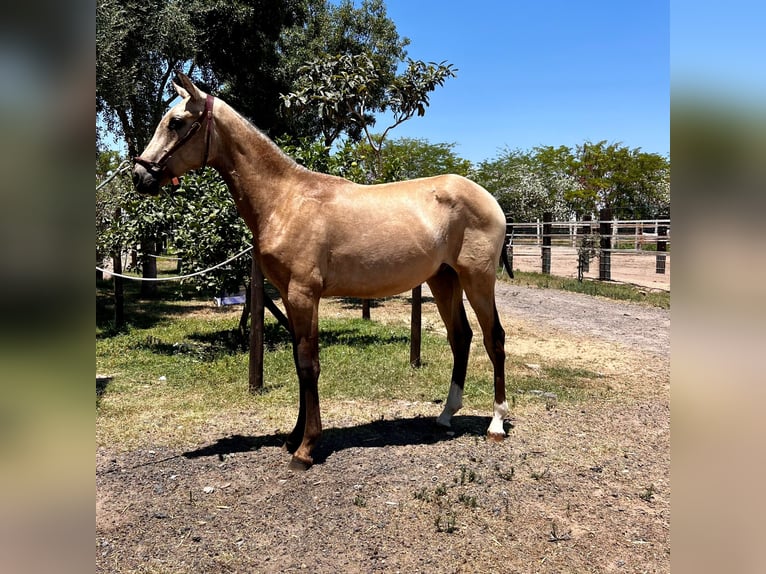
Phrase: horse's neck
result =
(255, 169)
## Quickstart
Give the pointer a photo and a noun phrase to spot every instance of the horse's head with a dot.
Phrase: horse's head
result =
(181, 141)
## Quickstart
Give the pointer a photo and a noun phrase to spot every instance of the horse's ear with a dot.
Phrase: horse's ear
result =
(187, 88)
(180, 91)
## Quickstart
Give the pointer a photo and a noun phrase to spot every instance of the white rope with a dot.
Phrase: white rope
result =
(120, 168)
(159, 256)
(240, 254)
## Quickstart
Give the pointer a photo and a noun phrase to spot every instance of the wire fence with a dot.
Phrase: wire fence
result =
(626, 251)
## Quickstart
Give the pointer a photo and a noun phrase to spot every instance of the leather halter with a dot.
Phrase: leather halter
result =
(157, 167)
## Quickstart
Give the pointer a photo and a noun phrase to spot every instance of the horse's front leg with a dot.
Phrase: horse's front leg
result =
(296, 436)
(303, 312)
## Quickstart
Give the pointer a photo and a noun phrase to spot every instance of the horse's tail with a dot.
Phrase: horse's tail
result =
(504, 259)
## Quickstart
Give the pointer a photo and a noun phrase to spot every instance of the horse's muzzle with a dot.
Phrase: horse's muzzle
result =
(145, 181)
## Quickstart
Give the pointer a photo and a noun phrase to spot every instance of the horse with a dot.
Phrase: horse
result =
(317, 235)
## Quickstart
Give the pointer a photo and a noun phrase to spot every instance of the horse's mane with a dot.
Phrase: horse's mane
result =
(264, 136)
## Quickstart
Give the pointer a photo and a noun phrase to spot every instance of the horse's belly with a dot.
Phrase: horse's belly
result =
(370, 279)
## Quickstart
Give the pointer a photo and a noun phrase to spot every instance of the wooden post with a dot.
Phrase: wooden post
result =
(605, 255)
(119, 290)
(546, 248)
(415, 323)
(366, 309)
(509, 239)
(256, 328)
(586, 233)
(149, 267)
(662, 247)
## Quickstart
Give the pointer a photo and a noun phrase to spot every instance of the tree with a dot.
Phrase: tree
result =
(207, 229)
(632, 183)
(111, 236)
(244, 52)
(581, 181)
(346, 91)
(139, 45)
(230, 47)
(336, 30)
(522, 189)
(410, 158)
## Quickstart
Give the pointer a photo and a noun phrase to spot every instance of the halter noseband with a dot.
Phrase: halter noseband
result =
(157, 167)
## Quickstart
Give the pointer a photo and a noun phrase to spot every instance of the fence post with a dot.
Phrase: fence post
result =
(573, 233)
(119, 289)
(415, 322)
(546, 248)
(605, 254)
(366, 309)
(583, 253)
(508, 245)
(256, 328)
(662, 247)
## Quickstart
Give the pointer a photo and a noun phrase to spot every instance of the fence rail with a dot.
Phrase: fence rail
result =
(629, 251)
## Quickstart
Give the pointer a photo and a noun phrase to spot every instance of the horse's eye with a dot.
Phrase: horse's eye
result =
(174, 123)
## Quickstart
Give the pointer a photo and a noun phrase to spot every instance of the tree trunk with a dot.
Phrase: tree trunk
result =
(119, 292)
(149, 267)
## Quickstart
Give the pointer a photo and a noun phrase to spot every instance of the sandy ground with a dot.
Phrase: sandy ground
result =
(575, 487)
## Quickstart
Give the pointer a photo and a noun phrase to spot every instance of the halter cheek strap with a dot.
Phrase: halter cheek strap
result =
(209, 126)
(157, 167)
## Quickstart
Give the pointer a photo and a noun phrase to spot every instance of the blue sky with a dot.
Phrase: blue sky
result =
(717, 50)
(547, 72)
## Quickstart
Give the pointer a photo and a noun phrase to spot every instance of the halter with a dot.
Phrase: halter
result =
(157, 167)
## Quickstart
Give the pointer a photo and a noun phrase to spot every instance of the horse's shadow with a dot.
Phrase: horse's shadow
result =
(398, 432)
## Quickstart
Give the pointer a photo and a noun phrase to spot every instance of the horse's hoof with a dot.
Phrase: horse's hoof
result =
(495, 436)
(300, 464)
(442, 424)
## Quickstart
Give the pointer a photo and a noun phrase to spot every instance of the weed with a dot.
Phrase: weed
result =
(447, 522)
(467, 475)
(441, 490)
(556, 536)
(648, 493)
(360, 501)
(505, 475)
(469, 501)
(422, 494)
(540, 475)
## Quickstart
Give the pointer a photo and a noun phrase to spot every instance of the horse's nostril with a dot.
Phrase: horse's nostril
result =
(136, 179)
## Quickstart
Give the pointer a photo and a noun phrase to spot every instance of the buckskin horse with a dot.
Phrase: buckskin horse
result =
(316, 235)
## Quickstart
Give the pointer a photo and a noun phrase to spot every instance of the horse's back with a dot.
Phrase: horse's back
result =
(449, 192)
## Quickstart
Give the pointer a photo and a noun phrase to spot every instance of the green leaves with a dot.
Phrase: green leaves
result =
(207, 230)
(579, 181)
(409, 93)
(347, 90)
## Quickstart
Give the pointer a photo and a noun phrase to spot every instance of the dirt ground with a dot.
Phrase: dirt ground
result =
(626, 266)
(575, 487)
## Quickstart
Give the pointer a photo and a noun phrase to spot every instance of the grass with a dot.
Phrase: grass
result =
(618, 291)
(180, 363)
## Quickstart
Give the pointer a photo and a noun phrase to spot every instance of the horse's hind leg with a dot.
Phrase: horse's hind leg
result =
(448, 294)
(480, 290)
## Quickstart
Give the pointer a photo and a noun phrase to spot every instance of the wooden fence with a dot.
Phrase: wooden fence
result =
(626, 251)
(635, 251)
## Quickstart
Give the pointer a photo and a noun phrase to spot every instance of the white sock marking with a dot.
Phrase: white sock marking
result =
(454, 404)
(500, 412)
